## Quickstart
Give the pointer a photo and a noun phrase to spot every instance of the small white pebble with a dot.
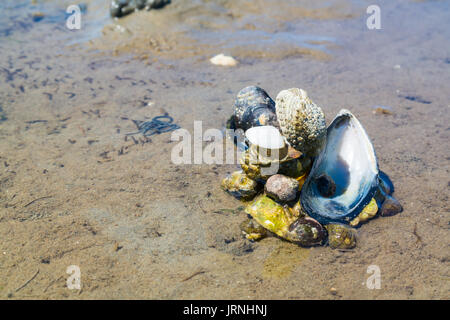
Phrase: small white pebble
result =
(223, 60)
(397, 66)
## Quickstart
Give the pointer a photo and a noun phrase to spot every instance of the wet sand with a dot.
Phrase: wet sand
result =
(73, 191)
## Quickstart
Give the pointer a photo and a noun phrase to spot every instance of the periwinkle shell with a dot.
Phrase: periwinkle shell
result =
(306, 232)
(252, 230)
(341, 236)
(253, 107)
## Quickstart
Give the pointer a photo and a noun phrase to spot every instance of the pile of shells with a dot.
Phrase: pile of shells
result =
(301, 180)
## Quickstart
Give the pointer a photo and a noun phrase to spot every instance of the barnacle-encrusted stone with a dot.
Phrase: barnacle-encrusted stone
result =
(301, 121)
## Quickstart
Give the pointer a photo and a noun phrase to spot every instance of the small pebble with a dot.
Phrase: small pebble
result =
(281, 188)
(382, 110)
(37, 16)
(390, 207)
(333, 291)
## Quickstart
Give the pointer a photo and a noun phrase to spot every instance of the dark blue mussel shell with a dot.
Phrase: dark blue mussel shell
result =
(344, 177)
(385, 188)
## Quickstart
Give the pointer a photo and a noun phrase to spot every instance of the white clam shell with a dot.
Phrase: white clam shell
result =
(223, 60)
(266, 143)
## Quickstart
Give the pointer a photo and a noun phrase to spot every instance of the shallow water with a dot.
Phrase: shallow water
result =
(73, 191)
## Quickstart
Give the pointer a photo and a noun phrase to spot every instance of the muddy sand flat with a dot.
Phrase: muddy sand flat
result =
(75, 190)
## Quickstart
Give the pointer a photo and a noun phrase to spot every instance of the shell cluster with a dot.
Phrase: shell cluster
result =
(322, 183)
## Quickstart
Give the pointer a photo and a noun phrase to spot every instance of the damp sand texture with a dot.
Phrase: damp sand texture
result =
(76, 190)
